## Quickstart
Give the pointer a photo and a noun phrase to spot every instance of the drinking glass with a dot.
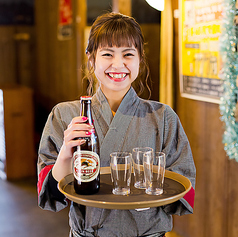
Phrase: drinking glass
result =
(154, 168)
(121, 166)
(137, 157)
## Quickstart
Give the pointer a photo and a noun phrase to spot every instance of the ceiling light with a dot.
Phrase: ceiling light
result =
(157, 4)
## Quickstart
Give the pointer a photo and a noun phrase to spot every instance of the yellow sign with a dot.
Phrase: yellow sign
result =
(200, 64)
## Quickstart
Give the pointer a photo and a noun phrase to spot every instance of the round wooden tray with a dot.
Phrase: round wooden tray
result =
(175, 187)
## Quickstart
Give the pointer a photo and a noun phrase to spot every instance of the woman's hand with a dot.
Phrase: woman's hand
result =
(76, 129)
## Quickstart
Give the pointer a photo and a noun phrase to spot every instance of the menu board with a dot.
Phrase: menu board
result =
(200, 62)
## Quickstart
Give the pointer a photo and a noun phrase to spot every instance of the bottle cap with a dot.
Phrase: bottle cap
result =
(85, 97)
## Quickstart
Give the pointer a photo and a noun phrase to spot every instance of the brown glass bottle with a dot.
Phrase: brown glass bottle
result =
(86, 157)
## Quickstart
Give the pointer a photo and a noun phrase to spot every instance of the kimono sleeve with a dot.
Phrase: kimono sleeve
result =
(50, 144)
(179, 159)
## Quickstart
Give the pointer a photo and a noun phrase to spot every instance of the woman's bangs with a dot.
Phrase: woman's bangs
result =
(117, 39)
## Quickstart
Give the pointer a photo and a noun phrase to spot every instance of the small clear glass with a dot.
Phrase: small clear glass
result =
(154, 169)
(121, 167)
(138, 169)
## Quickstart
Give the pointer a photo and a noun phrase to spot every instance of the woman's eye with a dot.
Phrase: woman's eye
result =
(107, 55)
(129, 55)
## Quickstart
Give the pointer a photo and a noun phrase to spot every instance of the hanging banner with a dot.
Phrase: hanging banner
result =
(200, 63)
(65, 25)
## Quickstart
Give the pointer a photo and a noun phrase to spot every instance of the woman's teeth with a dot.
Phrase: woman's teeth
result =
(117, 75)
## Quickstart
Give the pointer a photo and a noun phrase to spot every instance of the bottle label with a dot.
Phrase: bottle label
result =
(86, 165)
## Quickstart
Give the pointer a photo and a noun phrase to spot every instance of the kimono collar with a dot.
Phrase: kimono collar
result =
(129, 100)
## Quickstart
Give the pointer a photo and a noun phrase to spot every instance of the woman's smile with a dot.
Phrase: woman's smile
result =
(117, 77)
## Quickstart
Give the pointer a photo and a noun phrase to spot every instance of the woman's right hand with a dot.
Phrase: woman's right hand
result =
(78, 128)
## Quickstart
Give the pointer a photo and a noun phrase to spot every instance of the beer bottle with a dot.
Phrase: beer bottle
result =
(86, 158)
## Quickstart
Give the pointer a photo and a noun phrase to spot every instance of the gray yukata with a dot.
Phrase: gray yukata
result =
(137, 123)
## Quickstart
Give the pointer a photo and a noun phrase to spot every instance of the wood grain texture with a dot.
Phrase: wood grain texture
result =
(152, 50)
(19, 132)
(59, 74)
(232, 200)
(17, 55)
(7, 55)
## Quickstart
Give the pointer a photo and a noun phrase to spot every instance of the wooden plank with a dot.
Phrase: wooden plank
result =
(81, 22)
(25, 55)
(7, 55)
(193, 120)
(152, 51)
(232, 200)
(216, 177)
(43, 50)
(19, 132)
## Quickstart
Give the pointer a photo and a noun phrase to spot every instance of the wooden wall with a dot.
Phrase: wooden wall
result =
(204, 130)
(20, 157)
(7, 55)
(216, 196)
(59, 72)
(152, 38)
(17, 73)
(17, 55)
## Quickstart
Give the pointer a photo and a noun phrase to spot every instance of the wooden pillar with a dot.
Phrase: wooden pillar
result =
(81, 22)
(122, 6)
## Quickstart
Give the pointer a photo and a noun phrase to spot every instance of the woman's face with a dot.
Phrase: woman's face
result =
(116, 68)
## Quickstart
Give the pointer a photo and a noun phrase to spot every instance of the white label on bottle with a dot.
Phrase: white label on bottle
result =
(86, 165)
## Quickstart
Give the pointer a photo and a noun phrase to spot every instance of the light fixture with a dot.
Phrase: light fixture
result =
(157, 4)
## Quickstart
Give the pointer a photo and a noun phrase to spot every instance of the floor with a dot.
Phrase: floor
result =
(21, 217)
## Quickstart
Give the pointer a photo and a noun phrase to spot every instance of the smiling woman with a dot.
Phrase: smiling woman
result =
(122, 121)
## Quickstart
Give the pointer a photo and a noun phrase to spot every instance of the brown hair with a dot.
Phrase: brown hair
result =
(115, 29)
